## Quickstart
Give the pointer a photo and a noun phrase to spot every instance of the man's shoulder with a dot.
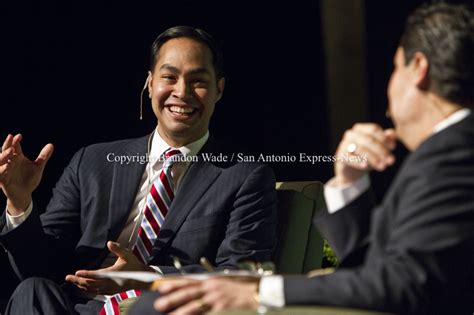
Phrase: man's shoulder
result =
(114, 151)
(131, 144)
(449, 142)
(241, 172)
(443, 153)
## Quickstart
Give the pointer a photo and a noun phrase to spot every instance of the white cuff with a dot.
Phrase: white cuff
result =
(271, 292)
(15, 220)
(157, 269)
(337, 197)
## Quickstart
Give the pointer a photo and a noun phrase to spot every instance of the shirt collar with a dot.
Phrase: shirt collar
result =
(455, 117)
(159, 146)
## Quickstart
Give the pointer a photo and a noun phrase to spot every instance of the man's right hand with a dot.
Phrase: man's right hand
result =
(19, 176)
(364, 147)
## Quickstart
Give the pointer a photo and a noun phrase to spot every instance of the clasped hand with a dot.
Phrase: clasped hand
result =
(364, 147)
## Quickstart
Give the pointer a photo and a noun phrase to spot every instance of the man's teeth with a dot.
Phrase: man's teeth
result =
(181, 110)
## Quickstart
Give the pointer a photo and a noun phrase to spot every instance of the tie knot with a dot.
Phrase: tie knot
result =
(171, 156)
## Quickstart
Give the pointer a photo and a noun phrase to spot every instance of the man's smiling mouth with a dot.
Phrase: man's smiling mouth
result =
(181, 111)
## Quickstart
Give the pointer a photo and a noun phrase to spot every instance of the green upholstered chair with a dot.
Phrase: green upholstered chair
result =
(125, 305)
(300, 246)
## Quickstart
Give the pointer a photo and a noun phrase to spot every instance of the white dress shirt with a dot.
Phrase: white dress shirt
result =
(271, 288)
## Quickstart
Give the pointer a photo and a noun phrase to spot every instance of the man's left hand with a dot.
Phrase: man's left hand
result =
(89, 281)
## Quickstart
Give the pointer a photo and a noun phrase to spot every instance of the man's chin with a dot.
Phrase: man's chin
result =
(183, 134)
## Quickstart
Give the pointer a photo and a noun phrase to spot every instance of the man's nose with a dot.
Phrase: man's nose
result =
(182, 90)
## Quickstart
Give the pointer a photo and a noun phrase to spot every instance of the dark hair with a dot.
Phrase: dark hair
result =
(444, 33)
(193, 33)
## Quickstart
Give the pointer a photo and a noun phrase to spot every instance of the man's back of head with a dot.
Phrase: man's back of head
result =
(444, 33)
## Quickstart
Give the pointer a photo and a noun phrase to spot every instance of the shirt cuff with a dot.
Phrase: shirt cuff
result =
(337, 197)
(157, 269)
(15, 220)
(271, 292)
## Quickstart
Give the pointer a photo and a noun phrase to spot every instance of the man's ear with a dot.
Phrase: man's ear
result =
(149, 83)
(220, 88)
(419, 66)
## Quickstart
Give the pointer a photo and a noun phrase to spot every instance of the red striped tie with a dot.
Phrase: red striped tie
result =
(158, 202)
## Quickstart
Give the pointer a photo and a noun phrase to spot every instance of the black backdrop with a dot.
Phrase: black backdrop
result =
(71, 74)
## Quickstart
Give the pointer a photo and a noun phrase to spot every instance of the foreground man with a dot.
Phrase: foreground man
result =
(414, 252)
(171, 206)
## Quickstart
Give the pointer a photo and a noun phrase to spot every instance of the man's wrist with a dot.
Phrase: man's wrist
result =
(18, 207)
(337, 197)
(271, 291)
(343, 181)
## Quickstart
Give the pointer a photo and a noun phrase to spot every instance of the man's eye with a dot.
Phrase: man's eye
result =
(167, 77)
(200, 82)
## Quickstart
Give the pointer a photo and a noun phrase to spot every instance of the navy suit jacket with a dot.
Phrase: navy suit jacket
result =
(225, 212)
(414, 253)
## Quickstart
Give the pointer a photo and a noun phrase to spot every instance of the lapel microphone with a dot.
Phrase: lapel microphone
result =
(141, 94)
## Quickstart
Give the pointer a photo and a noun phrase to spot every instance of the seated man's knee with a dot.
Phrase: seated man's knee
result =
(34, 284)
(39, 296)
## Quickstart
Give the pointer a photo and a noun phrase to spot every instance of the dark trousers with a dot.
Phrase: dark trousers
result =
(37, 296)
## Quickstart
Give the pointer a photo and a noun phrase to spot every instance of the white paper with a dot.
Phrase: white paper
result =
(144, 276)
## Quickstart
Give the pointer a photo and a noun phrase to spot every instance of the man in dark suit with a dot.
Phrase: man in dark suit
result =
(413, 253)
(127, 192)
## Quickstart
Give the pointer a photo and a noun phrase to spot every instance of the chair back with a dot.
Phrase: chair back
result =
(300, 246)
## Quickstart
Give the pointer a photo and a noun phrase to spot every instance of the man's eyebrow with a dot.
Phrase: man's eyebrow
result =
(199, 71)
(169, 67)
(173, 69)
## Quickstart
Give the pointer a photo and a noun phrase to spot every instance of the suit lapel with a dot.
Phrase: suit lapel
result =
(125, 184)
(197, 180)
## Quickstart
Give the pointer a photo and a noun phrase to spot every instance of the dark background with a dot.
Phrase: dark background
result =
(72, 72)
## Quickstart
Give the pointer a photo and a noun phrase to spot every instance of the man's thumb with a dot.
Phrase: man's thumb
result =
(116, 249)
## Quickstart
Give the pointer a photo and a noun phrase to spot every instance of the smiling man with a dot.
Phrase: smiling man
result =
(138, 216)
(413, 253)
(184, 89)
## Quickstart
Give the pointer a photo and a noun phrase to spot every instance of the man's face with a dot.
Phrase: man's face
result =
(184, 90)
(402, 91)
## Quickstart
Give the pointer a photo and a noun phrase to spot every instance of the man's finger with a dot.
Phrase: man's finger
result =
(117, 250)
(86, 274)
(378, 153)
(16, 143)
(6, 155)
(386, 137)
(178, 298)
(194, 307)
(45, 154)
(85, 282)
(390, 138)
(377, 143)
(7, 143)
(174, 285)
(378, 157)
